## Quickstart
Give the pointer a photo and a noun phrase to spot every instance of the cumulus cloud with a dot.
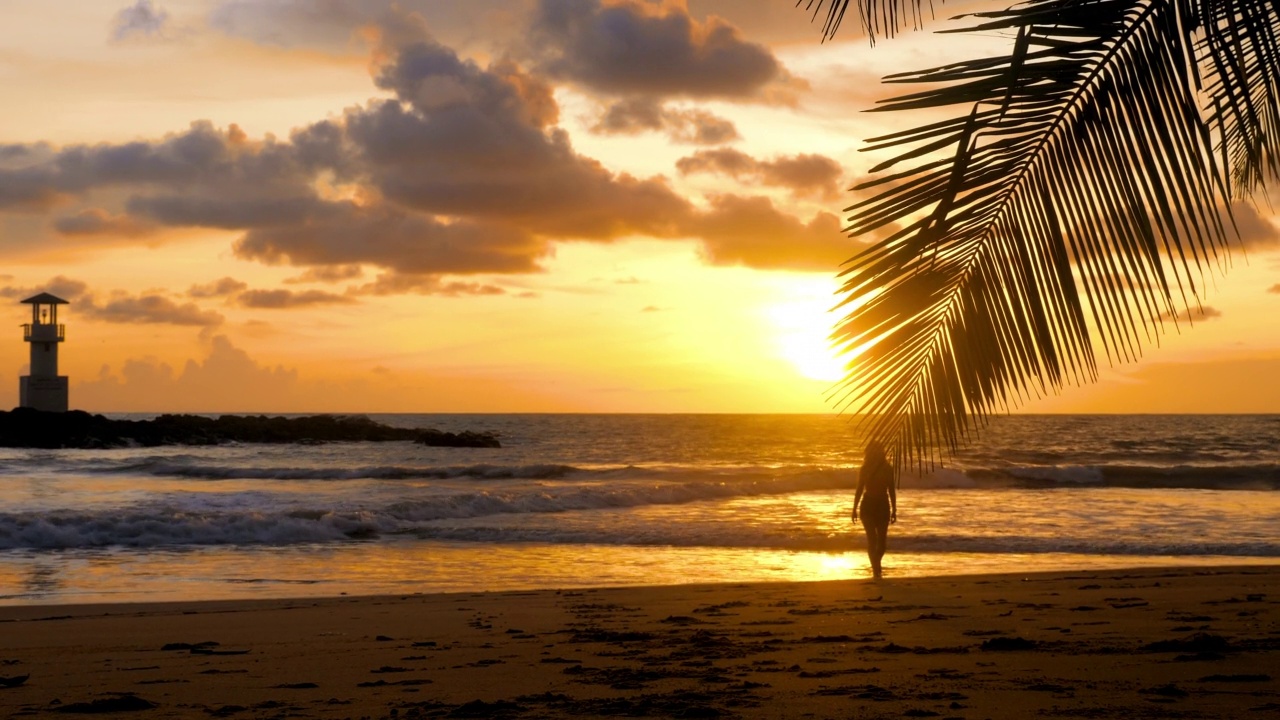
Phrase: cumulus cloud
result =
(750, 231)
(1255, 230)
(140, 21)
(227, 379)
(282, 299)
(147, 308)
(636, 115)
(464, 171)
(327, 274)
(399, 284)
(119, 306)
(635, 48)
(804, 174)
(346, 234)
(1192, 314)
(222, 287)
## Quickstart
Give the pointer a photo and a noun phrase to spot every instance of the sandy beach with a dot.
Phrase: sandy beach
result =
(1155, 643)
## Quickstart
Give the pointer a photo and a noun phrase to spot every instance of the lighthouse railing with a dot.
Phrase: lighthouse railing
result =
(44, 332)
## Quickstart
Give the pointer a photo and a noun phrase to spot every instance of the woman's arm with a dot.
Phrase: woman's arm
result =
(893, 501)
(857, 495)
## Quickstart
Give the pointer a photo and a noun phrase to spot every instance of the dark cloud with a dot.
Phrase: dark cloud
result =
(340, 26)
(636, 115)
(119, 306)
(223, 287)
(635, 48)
(750, 231)
(282, 299)
(1199, 313)
(64, 287)
(96, 221)
(804, 174)
(327, 274)
(464, 171)
(399, 284)
(346, 234)
(140, 21)
(124, 308)
(1256, 231)
(203, 163)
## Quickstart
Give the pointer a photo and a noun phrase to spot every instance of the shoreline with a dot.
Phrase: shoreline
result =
(1136, 642)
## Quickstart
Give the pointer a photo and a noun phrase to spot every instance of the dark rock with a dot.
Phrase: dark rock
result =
(1197, 643)
(28, 428)
(482, 709)
(120, 703)
(12, 682)
(1002, 644)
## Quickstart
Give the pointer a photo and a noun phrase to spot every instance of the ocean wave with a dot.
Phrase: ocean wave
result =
(1208, 476)
(149, 530)
(165, 467)
(201, 523)
(1243, 476)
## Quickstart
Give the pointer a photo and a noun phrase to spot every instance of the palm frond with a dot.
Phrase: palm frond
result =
(1073, 188)
(877, 18)
(1240, 53)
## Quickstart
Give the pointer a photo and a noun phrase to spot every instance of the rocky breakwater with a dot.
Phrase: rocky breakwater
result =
(27, 428)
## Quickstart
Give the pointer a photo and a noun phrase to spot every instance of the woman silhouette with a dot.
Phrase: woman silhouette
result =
(878, 499)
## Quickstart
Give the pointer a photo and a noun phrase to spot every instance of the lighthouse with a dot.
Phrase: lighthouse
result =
(44, 389)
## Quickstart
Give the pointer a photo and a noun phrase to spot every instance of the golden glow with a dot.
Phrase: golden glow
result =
(801, 329)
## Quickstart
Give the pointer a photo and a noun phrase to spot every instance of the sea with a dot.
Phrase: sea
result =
(611, 500)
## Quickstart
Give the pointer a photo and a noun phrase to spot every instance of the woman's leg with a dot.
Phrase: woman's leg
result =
(875, 546)
(882, 542)
(872, 539)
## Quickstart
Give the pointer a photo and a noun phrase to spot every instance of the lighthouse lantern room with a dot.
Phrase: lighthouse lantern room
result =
(44, 388)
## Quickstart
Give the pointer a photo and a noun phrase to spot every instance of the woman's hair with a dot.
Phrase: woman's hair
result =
(873, 459)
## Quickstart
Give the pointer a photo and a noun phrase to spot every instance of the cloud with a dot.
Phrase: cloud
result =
(804, 174)
(750, 231)
(398, 284)
(147, 308)
(327, 274)
(64, 287)
(96, 221)
(345, 234)
(464, 171)
(281, 299)
(140, 21)
(636, 115)
(1190, 315)
(227, 379)
(1256, 231)
(635, 48)
(119, 306)
(218, 288)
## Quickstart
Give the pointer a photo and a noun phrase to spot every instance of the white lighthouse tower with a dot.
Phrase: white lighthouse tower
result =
(44, 389)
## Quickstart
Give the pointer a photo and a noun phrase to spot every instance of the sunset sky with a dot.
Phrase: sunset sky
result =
(482, 206)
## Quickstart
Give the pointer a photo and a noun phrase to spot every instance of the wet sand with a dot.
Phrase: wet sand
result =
(1157, 643)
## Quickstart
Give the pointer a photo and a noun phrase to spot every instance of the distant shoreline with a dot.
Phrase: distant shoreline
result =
(28, 428)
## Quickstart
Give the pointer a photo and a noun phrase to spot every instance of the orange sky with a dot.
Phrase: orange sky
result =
(498, 205)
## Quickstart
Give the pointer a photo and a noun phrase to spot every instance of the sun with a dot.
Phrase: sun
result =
(801, 329)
